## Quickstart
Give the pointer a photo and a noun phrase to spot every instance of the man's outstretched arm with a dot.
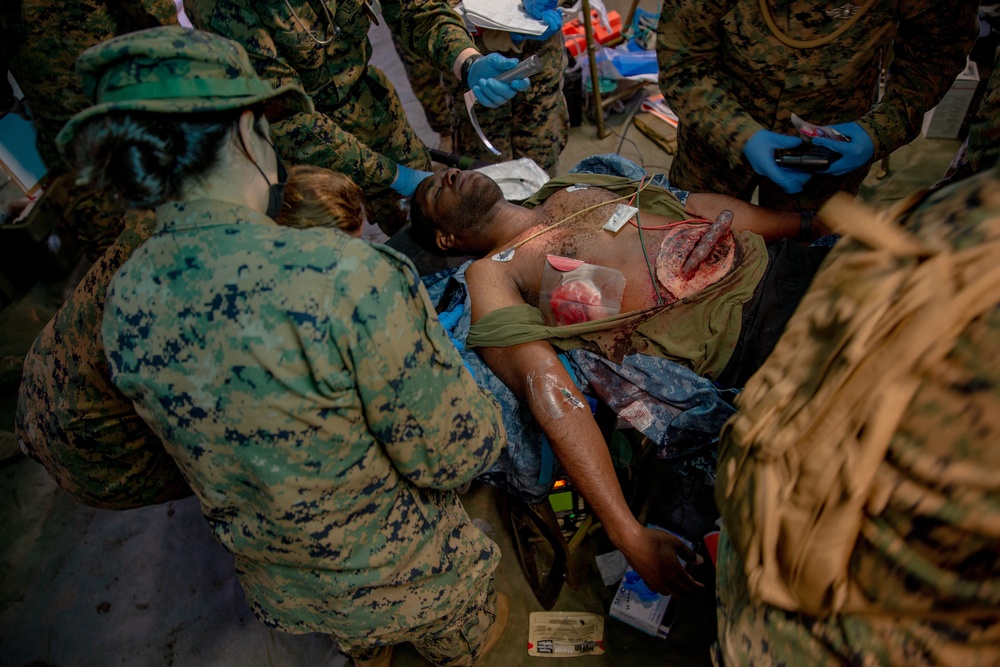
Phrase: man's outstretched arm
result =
(534, 373)
(771, 224)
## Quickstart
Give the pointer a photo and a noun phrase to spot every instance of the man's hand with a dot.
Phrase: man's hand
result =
(490, 92)
(856, 153)
(759, 152)
(654, 555)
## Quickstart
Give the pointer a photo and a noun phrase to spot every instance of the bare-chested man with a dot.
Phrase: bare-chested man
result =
(693, 314)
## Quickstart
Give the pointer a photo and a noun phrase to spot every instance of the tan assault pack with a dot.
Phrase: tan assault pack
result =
(797, 465)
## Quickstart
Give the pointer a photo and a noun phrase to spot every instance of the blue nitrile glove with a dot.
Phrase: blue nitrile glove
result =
(535, 8)
(407, 180)
(759, 151)
(552, 18)
(490, 92)
(633, 582)
(857, 152)
(449, 320)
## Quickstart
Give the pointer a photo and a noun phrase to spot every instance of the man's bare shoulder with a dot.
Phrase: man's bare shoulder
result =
(494, 285)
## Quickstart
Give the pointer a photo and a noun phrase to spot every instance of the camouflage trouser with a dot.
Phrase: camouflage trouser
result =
(73, 420)
(377, 118)
(453, 641)
(93, 217)
(428, 87)
(698, 166)
(534, 124)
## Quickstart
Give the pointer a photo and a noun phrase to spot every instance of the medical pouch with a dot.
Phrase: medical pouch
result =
(574, 291)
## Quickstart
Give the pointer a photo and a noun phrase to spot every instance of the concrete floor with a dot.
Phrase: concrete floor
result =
(80, 586)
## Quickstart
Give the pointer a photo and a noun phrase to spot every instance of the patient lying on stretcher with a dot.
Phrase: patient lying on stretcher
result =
(710, 298)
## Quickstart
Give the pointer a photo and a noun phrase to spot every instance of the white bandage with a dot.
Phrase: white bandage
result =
(550, 392)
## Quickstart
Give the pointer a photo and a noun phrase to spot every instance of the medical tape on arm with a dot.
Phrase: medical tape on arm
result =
(551, 393)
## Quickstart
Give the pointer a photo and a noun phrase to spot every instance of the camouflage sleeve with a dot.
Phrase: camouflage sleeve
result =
(316, 139)
(687, 51)
(438, 427)
(131, 16)
(311, 138)
(430, 28)
(930, 48)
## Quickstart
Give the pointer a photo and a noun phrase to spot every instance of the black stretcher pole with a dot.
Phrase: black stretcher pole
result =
(455, 160)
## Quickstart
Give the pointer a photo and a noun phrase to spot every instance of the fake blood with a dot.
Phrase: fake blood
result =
(576, 301)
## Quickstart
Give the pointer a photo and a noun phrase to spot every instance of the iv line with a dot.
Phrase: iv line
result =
(505, 255)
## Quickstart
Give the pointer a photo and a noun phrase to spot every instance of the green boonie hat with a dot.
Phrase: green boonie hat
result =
(173, 69)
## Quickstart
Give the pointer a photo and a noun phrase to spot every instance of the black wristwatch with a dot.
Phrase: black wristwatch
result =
(466, 66)
(806, 226)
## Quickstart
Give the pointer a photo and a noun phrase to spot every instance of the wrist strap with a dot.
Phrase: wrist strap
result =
(806, 226)
(466, 66)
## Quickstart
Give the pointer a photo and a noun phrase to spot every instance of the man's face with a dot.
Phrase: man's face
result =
(456, 200)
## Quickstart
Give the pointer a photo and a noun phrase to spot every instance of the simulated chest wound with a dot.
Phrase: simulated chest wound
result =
(574, 291)
(696, 256)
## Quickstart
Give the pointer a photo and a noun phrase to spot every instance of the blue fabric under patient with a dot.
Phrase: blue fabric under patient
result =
(674, 407)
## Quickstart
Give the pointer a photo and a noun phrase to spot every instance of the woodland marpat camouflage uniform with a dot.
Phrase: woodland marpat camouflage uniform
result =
(428, 86)
(47, 37)
(533, 124)
(50, 35)
(726, 76)
(359, 127)
(303, 383)
(73, 420)
(927, 560)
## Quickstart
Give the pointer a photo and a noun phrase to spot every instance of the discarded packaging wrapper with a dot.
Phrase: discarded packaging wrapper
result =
(518, 179)
(565, 634)
(574, 291)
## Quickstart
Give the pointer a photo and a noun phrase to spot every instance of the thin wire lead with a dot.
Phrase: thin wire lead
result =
(329, 20)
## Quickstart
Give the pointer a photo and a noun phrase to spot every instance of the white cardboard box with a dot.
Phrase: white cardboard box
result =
(945, 120)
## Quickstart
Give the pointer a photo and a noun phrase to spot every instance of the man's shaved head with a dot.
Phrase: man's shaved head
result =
(452, 202)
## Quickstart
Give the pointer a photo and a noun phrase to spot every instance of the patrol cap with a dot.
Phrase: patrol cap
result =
(175, 70)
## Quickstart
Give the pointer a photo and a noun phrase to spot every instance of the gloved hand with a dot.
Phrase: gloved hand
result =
(759, 152)
(535, 8)
(449, 320)
(407, 180)
(489, 91)
(552, 18)
(856, 153)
